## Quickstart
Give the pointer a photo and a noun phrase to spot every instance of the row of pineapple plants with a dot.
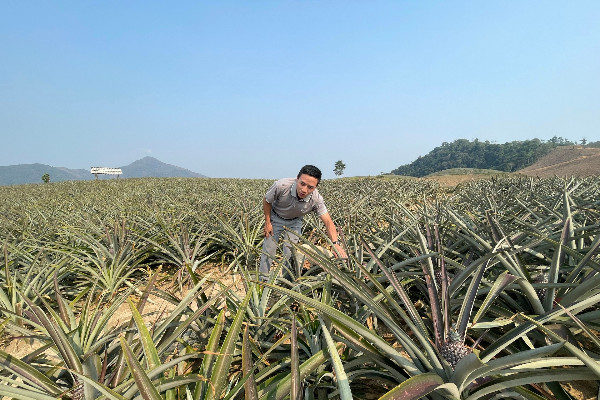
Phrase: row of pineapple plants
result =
(468, 293)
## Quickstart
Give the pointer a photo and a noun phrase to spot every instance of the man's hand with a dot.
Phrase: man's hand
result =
(340, 250)
(332, 233)
(267, 211)
(268, 229)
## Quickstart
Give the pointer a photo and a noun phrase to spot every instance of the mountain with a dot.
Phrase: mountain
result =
(146, 167)
(151, 167)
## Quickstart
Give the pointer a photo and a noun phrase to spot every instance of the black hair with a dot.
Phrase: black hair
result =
(311, 170)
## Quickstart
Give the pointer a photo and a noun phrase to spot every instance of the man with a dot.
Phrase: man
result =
(284, 205)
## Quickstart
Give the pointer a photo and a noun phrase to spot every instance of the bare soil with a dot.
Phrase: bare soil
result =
(582, 390)
(566, 161)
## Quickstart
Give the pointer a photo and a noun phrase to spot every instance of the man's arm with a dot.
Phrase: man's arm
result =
(267, 210)
(332, 233)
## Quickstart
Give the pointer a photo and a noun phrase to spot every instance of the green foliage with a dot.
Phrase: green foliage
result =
(339, 168)
(462, 153)
(46, 178)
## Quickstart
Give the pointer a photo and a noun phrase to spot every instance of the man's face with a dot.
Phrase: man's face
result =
(305, 185)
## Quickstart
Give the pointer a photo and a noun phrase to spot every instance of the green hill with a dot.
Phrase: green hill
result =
(462, 153)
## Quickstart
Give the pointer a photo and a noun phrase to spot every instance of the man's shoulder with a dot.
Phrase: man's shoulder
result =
(280, 186)
(316, 196)
(285, 182)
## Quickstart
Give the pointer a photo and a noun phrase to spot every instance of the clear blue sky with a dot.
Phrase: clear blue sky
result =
(256, 89)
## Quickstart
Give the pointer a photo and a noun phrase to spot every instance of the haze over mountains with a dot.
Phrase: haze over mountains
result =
(143, 168)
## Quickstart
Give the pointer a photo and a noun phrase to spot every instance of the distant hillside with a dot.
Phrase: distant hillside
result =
(146, 167)
(462, 153)
(566, 161)
(151, 167)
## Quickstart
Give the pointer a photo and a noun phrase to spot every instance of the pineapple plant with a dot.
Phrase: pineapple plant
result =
(541, 277)
(454, 349)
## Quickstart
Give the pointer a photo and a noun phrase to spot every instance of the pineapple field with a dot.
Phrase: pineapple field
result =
(486, 290)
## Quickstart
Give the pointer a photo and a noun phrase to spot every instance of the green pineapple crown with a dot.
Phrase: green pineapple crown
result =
(453, 335)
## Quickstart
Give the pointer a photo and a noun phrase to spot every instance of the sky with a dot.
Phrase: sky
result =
(256, 89)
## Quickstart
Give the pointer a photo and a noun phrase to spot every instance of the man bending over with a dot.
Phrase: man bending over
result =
(284, 205)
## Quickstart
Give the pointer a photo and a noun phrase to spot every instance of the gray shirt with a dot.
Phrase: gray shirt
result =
(284, 200)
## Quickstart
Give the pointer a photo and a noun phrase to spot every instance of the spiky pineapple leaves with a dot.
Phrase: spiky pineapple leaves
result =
(294, 361)
(218, 380)
(42, 385)
(250, 390)
(499, 285)
(338, 367)
(211, 350)
(142, 381)
(419, 386)
(211, 385)
(339, 318)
